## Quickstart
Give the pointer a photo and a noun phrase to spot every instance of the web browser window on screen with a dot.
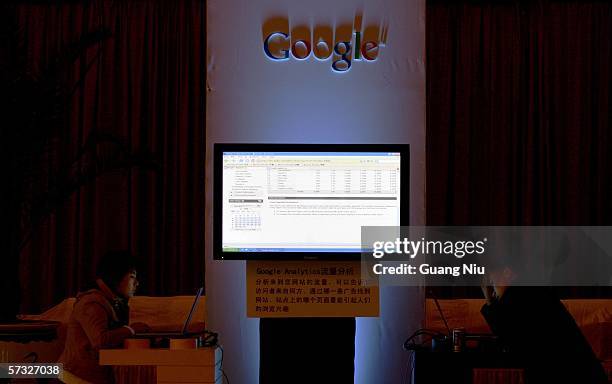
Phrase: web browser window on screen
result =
(307, 201)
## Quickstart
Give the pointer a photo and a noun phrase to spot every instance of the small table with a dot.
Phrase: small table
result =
(467, 367)
(201, 365)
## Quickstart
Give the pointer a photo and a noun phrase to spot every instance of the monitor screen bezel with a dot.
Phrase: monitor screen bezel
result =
(219, 148)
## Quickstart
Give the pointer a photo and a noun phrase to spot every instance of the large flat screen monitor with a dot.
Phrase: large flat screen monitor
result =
(305, 201)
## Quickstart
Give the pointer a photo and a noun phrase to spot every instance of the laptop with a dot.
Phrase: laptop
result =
(177, 334)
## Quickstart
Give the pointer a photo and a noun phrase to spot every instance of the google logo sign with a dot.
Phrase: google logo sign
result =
(280, 46)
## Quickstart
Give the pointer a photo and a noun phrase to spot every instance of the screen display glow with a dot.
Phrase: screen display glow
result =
(306, 201)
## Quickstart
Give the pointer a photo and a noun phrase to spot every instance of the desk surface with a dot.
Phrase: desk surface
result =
(202, 365)
(161, 357)
(459, 367)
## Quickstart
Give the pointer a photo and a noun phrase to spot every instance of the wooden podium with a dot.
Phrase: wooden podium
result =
(201, 365)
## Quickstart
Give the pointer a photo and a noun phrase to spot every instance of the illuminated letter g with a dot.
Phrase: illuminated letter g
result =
(285, 52)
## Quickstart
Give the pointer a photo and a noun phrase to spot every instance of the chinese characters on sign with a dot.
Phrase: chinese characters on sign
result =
(309, 289)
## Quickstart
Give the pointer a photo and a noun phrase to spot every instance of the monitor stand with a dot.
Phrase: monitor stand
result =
(307, 350)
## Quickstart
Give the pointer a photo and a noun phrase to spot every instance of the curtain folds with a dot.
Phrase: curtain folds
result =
(518, 116)
(142, 86)
(518, 113)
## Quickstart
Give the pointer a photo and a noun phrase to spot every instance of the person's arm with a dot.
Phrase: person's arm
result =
(94, 320)
(499, 312)
(492, 312)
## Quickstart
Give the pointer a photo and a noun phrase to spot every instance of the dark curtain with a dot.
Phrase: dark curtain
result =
(142, 88)
(518, 113)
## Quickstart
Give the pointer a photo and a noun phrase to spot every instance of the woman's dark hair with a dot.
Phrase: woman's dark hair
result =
(114, 265)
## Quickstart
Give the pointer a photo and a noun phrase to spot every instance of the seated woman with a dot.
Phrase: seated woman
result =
(100, 318)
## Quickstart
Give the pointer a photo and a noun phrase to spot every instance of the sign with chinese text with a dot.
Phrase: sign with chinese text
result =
(309, 289)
